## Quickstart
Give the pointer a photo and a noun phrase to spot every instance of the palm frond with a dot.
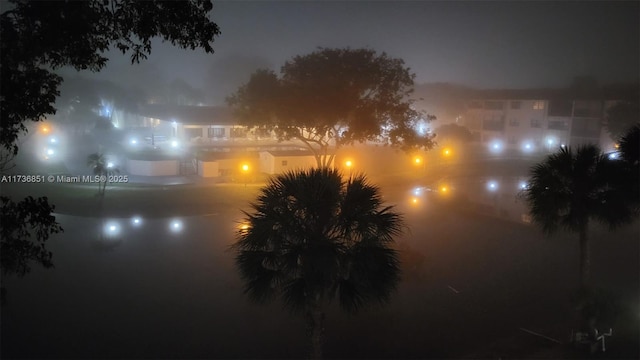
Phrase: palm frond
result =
(570, 187)
(311, 235)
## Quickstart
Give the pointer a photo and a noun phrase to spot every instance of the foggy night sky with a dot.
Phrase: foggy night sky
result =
(515, 44)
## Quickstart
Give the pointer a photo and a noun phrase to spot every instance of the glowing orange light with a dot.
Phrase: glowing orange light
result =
(444, 189)
(245, 167)
(348, 163)
(417, 160)
(44, 129)
(446, 152)
(414, 200)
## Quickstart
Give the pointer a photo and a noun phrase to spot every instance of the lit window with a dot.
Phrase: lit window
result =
(216, 132)
(538, 105)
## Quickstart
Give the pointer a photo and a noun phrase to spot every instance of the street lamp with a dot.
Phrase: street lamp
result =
(245, 170)
(348, 164)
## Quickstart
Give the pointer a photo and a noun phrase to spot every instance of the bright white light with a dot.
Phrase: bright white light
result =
(563, 146)
(421, 127)
(174, 144)
(176, 225)
(417, 191)
(133, 141)
(550, 141)
(136, 221)
(495, 146)
(613, 156)
(109, 165)
(112, 228)
(53, 140)
(527, 146)
(50, 152)
(492, 185)
(523, 185)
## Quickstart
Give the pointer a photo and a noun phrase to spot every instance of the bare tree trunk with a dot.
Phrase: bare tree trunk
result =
(585, 256)
(315, 323)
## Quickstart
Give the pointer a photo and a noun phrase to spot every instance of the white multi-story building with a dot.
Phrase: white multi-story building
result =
(536, 121)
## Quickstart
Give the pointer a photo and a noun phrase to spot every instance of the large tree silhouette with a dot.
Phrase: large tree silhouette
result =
(334, 97)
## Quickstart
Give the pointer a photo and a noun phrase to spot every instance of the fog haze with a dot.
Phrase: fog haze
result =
(487, 44)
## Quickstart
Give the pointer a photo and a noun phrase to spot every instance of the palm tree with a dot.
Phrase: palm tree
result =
(100, 167)
(98, 164)
(630, 156)
(313, 238)
(569, 189)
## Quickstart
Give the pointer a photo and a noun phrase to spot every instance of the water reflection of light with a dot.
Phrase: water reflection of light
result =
(136, 221)
(176, 226)
(112, 228)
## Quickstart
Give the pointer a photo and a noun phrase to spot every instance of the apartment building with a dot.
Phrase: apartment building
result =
(536, 121)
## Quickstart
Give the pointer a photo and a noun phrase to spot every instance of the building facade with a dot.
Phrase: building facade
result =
(537, 121)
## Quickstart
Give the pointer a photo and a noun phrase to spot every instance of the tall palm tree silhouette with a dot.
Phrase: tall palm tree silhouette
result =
(313, 238)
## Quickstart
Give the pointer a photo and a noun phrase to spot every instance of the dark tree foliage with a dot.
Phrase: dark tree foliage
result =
(630, 146)
(313, 238)
(24, 228)
(335, 97)
(621, 117)
(569, 189)
(629, 176)
(41, 36)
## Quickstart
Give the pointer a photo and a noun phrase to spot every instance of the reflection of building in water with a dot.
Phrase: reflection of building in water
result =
(502, 199)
